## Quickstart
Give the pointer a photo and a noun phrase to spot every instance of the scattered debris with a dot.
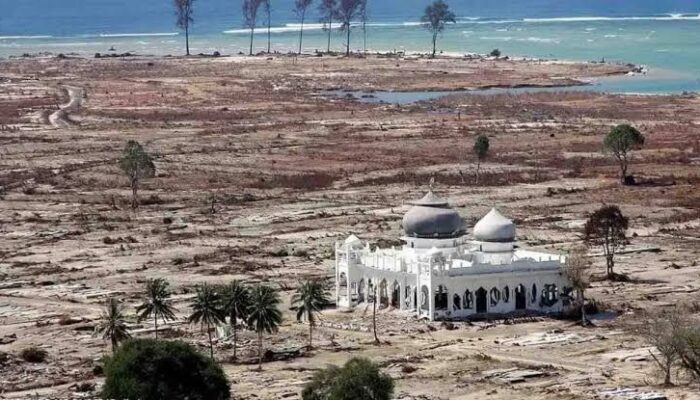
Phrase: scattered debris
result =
(547, 338)
(514, 375)
(629, 394)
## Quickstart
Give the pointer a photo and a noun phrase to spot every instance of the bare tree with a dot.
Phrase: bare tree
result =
(606, 227)
(346, 11)
(373, 296)
(250, 18)
(688, 346)
(662, 330)
(137, 165)
(578, 270)
(184, 13)
(327, 8)
(300, 7)
(435, 17)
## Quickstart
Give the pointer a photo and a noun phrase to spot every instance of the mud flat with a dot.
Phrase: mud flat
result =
(292, 171)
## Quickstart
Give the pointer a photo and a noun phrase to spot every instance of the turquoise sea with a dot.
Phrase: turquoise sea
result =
(663, 35)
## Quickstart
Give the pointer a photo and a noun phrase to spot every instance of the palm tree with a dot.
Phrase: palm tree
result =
(113, 326)
(264, 314)
(309, 300)
(207, 310)
(155, 302)
(436, 16)
(236, 301)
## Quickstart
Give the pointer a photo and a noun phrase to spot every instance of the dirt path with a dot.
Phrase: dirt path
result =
(59, 119)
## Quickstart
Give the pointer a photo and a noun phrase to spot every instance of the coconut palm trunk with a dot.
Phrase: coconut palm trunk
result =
(434, 44)
(235, 340)
(347, 49)
(374, 318)
(311, 334)
(252, 32)
(211, 344)
(301, 31)
(269, 39)
(155, 324)
(260, 349)
(330, 30)
(187, 40)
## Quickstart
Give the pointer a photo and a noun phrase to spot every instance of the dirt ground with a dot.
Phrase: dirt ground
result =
(260, 172)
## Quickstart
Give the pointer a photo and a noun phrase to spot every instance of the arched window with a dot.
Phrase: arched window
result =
(533, 294)
(408, 299)
(468, 300)
(550, 295)
(456, 302)
(441, 298)
(343, 283)
(506, 294)
(424, 293)
(495, 296)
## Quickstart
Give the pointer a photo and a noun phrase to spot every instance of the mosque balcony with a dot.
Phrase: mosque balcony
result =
(460, 267)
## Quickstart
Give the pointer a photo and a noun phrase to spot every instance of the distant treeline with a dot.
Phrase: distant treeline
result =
(343, 13)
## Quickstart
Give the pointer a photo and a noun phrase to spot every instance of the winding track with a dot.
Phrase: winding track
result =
(59, 119)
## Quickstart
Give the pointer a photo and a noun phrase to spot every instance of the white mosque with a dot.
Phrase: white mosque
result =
(440, 273)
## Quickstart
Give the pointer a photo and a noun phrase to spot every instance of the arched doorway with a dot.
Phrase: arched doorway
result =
(343, 285)
(468, 300)
(383, 294)
(361, 291)
(424, 298)
(441, 298)
(396, 295)
(520, 297)
(408, 297)
(481, 299)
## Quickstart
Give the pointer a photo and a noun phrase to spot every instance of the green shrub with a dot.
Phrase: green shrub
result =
(358, 379)
(148, 369)
(34, 354)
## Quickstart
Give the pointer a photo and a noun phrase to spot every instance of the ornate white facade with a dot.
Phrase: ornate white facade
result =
(441, 274)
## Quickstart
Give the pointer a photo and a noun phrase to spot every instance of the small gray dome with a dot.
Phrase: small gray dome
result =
(494, 227)
(431, 217)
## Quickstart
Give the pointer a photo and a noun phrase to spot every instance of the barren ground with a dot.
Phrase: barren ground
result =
(292, 171)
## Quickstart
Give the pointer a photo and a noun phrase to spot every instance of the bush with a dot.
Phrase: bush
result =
(358, 379)
(688, 348)
(148, 369)
(34, 354)
(4, 358)
(495, 53)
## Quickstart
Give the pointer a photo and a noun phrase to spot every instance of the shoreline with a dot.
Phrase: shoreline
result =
(618, 70)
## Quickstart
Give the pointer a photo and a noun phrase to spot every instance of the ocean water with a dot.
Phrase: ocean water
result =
(663, 35)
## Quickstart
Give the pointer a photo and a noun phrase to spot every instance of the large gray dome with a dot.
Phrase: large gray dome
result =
(494, 227)
(431, 217)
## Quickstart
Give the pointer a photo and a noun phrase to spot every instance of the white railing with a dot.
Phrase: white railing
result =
(395, 260)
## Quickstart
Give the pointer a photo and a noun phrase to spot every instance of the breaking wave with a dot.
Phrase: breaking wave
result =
(118, 35)
(25, 37)
(293, 27)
